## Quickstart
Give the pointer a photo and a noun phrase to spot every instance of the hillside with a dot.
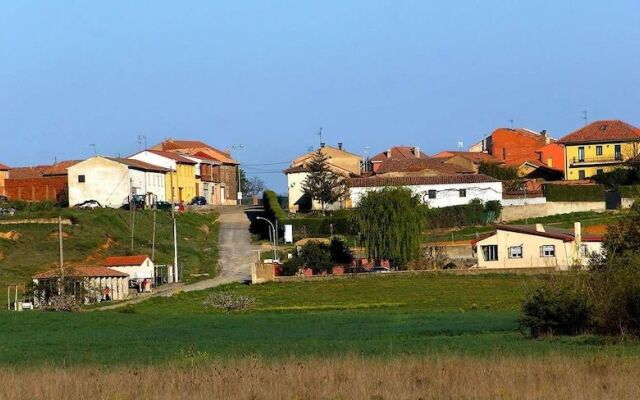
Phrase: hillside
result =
(96, 234)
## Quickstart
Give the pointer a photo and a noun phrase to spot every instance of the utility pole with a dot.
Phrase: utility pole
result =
(175, 251)
(153, 238)
(239, 194)
(61, 255)
(132, 212)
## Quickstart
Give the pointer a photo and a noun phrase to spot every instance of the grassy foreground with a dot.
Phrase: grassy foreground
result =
(381, 316)
(96, 234)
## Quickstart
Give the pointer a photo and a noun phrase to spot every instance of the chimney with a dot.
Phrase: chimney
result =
(577, 231)
(539, 228)
(322, 145)
(544, 134)
(416, 151)
(339, 145)
(388, 153)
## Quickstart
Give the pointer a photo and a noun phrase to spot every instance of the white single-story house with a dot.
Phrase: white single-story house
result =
(536, 246)
(435, 191)
(137, 267)
(111, 181)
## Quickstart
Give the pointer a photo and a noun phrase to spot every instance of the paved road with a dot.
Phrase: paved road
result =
(237, 254)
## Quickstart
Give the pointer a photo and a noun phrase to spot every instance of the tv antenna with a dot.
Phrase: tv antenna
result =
(95, 152)
(511, 122)
(460, 145)
(142, 139)
(320, 134)
(584, 116)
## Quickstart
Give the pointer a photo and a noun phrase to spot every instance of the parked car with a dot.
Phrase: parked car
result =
(7, 212)
(198, 201)
(378, 270)
(89, 204)
(163, 205)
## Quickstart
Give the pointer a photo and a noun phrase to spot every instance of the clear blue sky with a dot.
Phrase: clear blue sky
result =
(267, 74)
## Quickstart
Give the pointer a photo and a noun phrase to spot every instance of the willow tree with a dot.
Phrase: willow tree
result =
(322, 184)
(391, 223)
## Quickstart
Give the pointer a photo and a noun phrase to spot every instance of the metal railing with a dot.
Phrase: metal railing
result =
(597, 159)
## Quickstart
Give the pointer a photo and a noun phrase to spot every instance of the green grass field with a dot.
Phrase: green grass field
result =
(37, 248)
(412, 314)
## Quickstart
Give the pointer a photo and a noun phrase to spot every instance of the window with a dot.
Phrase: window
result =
(548, 250)
(432, 194)
(580, 153)
(618, 152)
(515, 251)
(462, 192)
(81, 178)
(581, 174)
(598, 150)
(490, 252)
(504, 153)
(584, 250)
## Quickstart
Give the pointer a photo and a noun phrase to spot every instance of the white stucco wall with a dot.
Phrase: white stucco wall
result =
(106, 181)
(149, 182)
(145, 270)
(294, 183)
(446, 194)
(155, 159)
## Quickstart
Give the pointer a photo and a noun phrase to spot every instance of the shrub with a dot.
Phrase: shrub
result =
(555, 192)
(495, 170)
(472, 214)
(557, 307)
(272, 207)
(228, 301)
(629, 192)
(63, 303)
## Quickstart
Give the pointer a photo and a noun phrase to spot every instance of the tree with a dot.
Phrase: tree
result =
(391, 223)
(316, 256)
(253, 186)
(495, 170)
(322, 184)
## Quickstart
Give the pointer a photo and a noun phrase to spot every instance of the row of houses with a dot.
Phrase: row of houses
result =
(174, 170)
(451, 177)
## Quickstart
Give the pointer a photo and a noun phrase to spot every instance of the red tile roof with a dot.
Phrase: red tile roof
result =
(473, 156)
(173, 156)
(59, 168)
(397, 153)
(4, 167)
(121, 261)
(137, 164)
(25, 173)
(603, 131)
(81, 272)
(421, 164)
(194, 146)
(419, 180)
(555, 233)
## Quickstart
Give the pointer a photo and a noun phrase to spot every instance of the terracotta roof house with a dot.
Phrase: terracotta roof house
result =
(99, 283)
(598, 147)
(395, 153)
(339, 160)
(224, 173)
(537, 246)
(435, 191)
(40, 183)
(425, 166)
(511, 144)
(137, 267)
(467, 159)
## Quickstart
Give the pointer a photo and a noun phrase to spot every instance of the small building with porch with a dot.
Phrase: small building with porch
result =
(87, 283)
(138, 267)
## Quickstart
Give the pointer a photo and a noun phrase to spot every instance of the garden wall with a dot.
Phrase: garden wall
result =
(512, 213)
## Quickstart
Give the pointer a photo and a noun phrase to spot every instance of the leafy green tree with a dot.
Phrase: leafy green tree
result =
(322, 184)
(314, 255)
(495, 170)
(391, 223)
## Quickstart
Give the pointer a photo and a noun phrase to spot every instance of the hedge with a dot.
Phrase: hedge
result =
(472, 214)
(272, 206)
(574, 193)
(629, 192)
(311, 226)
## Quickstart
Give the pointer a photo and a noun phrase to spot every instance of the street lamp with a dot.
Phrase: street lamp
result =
(239, 147)
(275, 237)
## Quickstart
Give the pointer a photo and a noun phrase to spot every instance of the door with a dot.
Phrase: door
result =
(580, 153)
(221, 195)
(618, 151)
(612, 199)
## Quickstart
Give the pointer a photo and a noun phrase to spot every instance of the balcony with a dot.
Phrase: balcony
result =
(598, 160)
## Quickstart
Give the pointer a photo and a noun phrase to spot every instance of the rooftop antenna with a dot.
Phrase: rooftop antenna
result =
(584, 116)
(460, 145)
(320, 134)
(95, 152)
(511, 122)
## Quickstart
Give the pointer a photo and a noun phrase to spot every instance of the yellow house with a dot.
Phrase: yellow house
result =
(537, 246)
(599, 147)
(4, 174)
(182, 185)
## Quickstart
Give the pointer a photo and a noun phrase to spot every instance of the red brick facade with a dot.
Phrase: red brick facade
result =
(46, 188)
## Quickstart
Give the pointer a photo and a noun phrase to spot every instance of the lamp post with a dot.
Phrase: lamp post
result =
(239, 195)
(275, 237)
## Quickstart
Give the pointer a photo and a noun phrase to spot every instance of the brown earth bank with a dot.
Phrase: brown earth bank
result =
(351, 377)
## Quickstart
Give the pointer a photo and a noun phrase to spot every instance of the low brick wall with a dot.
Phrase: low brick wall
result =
(37, 189)
(512, 213)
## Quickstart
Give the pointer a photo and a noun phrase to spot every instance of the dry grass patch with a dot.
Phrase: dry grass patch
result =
(553, 377)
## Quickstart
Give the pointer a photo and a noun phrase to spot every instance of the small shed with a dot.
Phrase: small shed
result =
(138, 267)
(87, 283)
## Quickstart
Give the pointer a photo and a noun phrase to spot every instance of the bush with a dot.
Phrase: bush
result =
(557, 307)
(630, 192)
(228, 301)
(501, 172)
(554, 192)
(63, 303)
(472, 214)
(272, 207)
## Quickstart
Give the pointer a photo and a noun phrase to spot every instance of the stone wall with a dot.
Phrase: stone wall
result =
(512, 213)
